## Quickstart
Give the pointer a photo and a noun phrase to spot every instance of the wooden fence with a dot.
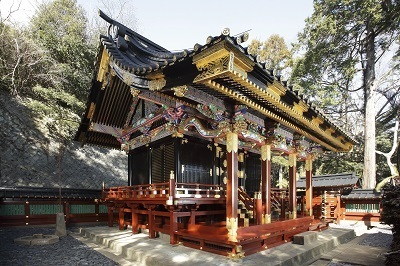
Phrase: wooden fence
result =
(39, 206)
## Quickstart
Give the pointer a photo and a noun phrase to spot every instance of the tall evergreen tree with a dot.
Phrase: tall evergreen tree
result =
(273, 52)
(343, 41)
(60, 26)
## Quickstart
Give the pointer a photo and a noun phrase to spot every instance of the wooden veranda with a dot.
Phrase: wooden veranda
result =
(194, 215)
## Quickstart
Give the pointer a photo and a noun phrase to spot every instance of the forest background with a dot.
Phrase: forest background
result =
(346, 61)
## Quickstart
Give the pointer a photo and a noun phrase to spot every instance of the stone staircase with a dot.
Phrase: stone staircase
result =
(245, 216)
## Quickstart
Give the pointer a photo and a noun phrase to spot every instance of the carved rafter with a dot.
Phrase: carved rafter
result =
(131, 112)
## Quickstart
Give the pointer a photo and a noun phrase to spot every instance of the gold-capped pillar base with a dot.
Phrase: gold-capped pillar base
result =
(267, 219)
(232, 226)
(293, 215)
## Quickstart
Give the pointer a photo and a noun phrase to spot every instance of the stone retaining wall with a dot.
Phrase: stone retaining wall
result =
(27, 156)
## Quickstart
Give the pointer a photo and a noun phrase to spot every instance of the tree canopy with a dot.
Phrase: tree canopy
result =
(343, 41)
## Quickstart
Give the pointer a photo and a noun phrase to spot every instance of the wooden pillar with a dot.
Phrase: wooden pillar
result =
(121, 218)
(232, 184)
(292, 186)
(309, 189)
(110, 216)
(338, 208)
(266, 182)
(173, 227)
(152, 233)
(67, 212)
(135, 218)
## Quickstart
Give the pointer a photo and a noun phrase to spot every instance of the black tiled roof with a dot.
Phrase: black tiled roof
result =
(363, 194)
(48, 193)
(335, 180)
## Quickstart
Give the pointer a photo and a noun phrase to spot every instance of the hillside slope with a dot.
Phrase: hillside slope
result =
(27, 155)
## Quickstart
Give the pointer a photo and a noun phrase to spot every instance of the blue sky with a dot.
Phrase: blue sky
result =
(180, 24)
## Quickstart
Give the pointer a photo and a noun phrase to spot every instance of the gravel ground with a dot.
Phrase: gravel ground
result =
(68, 251)
(377, 236)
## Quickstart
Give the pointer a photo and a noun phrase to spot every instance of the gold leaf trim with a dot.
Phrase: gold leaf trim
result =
(157, 84)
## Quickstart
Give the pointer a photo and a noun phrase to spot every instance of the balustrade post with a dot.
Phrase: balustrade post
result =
(171, 188)
(258, 207)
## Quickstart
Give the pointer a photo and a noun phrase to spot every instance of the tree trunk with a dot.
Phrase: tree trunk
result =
(369, 179)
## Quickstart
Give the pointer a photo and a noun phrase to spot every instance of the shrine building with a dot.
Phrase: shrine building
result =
(200, 127)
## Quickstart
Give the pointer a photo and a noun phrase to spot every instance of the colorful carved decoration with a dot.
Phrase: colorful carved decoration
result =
(193, 121)
(175, 115)
(211, 111)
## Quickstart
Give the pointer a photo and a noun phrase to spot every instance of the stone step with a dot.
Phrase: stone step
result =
(128, 249)
(305, 238)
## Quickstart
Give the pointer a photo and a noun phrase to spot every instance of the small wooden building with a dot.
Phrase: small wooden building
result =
(361, 205)
(327, 193)
(338, 197)
(200, 127)
(38, 206)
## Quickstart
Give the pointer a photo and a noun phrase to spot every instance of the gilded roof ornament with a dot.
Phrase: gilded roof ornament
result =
(226, 31)
(180, 91)
(157, 84)
(135, 92)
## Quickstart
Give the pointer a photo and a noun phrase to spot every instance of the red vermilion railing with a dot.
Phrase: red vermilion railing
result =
(161, 190)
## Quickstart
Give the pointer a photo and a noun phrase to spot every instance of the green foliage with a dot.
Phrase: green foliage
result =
(50, 66)
(60, 27)
(333, 163)
(342, 41)
(273, 52)
(334, 41)
(56, 110)
(22, 62)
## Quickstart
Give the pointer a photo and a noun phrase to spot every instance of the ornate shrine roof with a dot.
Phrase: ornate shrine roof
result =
(141, 92)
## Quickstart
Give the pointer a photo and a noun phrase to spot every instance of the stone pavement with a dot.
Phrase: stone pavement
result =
(127, 249)
(353, 253)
